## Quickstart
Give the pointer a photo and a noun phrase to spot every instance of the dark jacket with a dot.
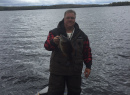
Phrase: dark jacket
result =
(82, 52)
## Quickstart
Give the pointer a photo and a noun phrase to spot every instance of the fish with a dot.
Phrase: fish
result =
(65, 46)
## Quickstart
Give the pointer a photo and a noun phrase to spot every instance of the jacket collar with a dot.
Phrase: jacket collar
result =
(62, 29)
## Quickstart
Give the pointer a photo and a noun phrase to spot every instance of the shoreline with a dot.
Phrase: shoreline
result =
(11, 8)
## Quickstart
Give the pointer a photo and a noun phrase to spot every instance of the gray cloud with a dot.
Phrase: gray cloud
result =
(9, 2)
(51, 2)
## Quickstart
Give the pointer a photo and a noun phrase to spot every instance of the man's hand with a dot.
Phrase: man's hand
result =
(56, 39)
(87, 72)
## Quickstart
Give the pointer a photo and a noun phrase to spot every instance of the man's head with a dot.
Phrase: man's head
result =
(69, 18)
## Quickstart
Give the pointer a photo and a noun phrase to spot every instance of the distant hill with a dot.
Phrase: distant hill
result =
(46, 7)
(3, 8)
(119, 3)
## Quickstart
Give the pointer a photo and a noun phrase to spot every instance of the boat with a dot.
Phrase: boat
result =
(45, 90)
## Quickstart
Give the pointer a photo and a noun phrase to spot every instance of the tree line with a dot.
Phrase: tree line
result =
(2, 8)
(119, 3)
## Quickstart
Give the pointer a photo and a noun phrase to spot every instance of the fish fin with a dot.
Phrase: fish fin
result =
(64, 55)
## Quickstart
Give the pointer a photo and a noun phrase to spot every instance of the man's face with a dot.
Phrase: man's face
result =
(69, 20)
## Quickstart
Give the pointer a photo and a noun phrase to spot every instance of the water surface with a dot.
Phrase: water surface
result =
(24, 63)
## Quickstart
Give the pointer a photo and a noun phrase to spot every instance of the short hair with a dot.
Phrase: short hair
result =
(70, 11)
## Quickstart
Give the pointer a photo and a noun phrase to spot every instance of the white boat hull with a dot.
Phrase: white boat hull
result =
(45, 90)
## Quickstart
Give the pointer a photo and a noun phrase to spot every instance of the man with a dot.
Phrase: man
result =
(61, 73)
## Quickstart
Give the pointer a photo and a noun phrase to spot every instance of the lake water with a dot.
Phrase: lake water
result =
(24, 63)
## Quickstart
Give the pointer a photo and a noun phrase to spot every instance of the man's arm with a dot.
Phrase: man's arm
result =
(87, 56)
(51, 43)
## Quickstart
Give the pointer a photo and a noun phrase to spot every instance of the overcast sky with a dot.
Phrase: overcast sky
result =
(52, 2)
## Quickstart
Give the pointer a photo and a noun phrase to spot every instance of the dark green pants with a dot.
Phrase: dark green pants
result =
(57, 84)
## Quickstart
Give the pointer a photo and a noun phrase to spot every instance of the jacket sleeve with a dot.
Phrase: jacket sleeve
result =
(87, 56)
(49, 44)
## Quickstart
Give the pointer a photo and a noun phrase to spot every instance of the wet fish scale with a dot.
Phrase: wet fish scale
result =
(65, 46)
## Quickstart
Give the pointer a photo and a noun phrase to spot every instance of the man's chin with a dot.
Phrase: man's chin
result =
(70, 26)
